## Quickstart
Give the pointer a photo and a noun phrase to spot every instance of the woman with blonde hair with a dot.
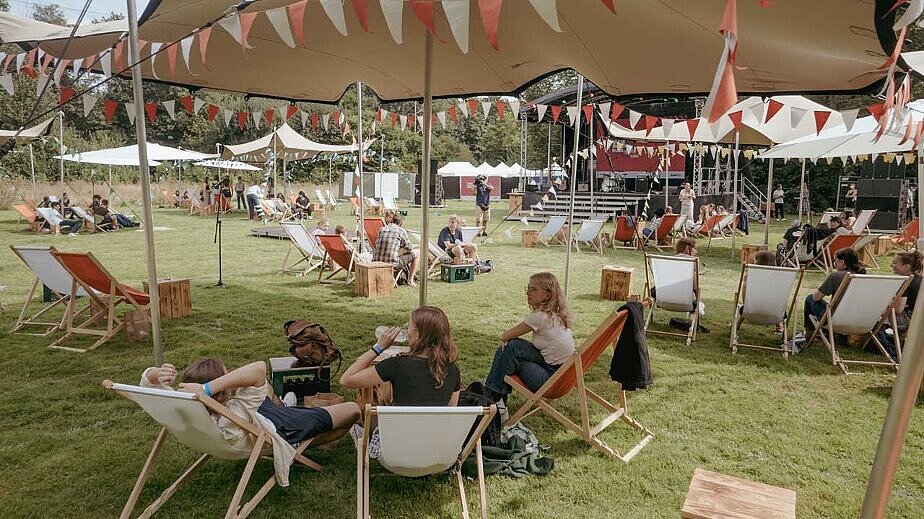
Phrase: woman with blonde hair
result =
(427, 375)
(552, 341)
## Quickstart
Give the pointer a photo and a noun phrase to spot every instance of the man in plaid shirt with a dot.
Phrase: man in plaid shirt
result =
(392, 246)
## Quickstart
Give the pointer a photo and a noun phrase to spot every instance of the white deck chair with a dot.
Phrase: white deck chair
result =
(680, 227)
(321, 198)
(439, 257)
(51, 216)
(49, 272)
(725, 225)
(331, 200)
(419, 441)
(673, 283)
(590, 233)
(89, 223)
(469, 234)
(312, 253)
(388, 202)
(186, 417)
(860, 306)
(826, 216)
(860, 245)
(861, 224)
(766, 295)
(549, 233)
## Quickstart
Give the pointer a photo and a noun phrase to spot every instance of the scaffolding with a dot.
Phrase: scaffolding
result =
(698, 104)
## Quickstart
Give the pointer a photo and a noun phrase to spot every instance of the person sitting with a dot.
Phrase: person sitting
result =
(321, 227)
(836, 224)
(101, 209)
(392, 246)
(246, 394)
(340, 230)
(121, 219)
(686, 247)
(176, 198)
(280, 205)
(848, 218)
(653, 225)
(450, 240)
(389, 216)
(302, 206)
(721, 210)
(903, 264)
(184, 200)
(765, 258)
(552, 342)
(46, 202)
(846, 261)
(56, 221)
(66, 209)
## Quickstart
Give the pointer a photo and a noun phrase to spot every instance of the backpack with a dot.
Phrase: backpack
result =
(311, 344)
(477, 395)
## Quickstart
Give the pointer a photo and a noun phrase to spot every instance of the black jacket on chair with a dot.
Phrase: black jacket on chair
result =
(630, 365)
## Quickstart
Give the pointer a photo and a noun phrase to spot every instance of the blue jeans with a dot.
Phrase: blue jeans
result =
(521, 358)
(252, 202)
(812, 308)
(123, 220)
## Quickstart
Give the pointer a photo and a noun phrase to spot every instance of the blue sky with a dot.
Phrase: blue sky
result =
(71, 8)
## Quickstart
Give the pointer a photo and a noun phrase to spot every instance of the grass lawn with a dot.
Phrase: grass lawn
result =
(70, 449)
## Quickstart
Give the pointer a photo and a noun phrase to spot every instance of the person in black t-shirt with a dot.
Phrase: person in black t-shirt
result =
(903, 264)
(846, 261)
(426, 375)
(450, 240)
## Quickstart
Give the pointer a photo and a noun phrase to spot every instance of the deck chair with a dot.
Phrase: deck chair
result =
(52, 218)
(570, 376)
(861, 224)
(388, 202)
(312, 255)
(590, 233)
(48, 272)
(372, 206)
(105, 293)
(341, 253)
(331, 199)
(680, 227)
(439, 256)
(196, 206)
(469, 234)
(168, 198)
(766, 295)
(710, 226)
(625, 234)
(27, 214)
(372, 226)
(661, 233)
(868, 258)
(89, 221)
(186, 417)
(673, 283)
(909, 235)
(727, 225)
(549, 233)
(826, 216)
(862, 305)
(420, 441)
(824, 258)
(321, 199)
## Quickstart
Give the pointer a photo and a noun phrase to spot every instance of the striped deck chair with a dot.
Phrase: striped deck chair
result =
(570, 376)
(553, 226)
(680, 228)
(340, 252)
(104, 290)
(49, 273)
(662, 233)
(312, 255)
(672, 282)
(766, 295)
(862, 305)
(625, 234)
(727, 225)
(52, 218)
(321, 199)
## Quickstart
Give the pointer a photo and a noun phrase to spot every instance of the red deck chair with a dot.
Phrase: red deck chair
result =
(26, 214)
(338, 250)
(569, 376)
(104, 291)
(824, 259)
(372, 226)
(624, 233)
(707, 228)
(909, 235)
(663, 232)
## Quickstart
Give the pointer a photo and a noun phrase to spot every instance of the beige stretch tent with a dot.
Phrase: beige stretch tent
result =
(28, 134)
(287, 144)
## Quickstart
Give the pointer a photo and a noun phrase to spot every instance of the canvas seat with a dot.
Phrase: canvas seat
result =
(673, 283)
(909, 235)
(388, 203)
(341, 253)
(570, 376)
(824, 258)
(469, 234)
(728, 225)
(438, 257)
(420, 441)
(27, 214)
(105, 293)
(662, 233)
(89, 222)
(766, 295)
(866, 240)
(372, 226)
(680, 226)
(625, 236)
(826, 216)
(550, 230)
(321, 199)
(312, 254)
(54, 220)
(862, 305)
(710, 226)
(48, 272)
(591, 234)
(185, 416)
(861, 224)
(372, 206)
(331, 199)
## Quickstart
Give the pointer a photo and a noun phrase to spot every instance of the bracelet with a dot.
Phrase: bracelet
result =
(377, 349)
(207, 389)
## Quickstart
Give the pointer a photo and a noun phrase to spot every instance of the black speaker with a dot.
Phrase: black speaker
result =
(433, 179)
(867, 187)
(880, 169)
(884, 221)
(879, 203)
(641, 185)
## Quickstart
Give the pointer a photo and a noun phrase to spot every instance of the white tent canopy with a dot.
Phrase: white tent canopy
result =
(128, 155)
(287, 144)
(226, 164)
(27, 134)
(466, 169)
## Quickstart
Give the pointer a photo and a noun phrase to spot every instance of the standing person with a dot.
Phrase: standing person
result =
(778, 199)
(850, 199)
(254, 195)
(482, 203)
(239, 193)
(687, 196)
(552, 343)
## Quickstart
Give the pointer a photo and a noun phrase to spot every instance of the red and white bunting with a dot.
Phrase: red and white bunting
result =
(186, 48)
(634, 118)
(540, 111)
(256, 116)
(155, 49)
(170, 107)
(6, 81)
(325, 120)
(229, 114)
(795, 116)
(130, 110)
(441, 116)
(279, 19)
(457, 14)
(723, 94)
(197, 105)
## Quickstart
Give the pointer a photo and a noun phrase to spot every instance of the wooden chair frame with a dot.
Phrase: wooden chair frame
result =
(665, 227)
(737, 317)
(690, 336)
(553, 237)
(826, 333)
(597, 243)
(349, 268)
(824, 259)
(308, 261)
(235, 510)
(541, 400)
(25, 212)
(620, 232)
(363, 463)
(908, 237)
(116, 294)
(59, 299)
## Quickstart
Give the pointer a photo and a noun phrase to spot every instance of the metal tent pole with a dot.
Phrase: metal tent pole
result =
(145, 173)
(32, 168)
(359, 163)
(574, 171)
(591, 166)
(425, 166)
(802, 191)
(735, 191)
(548, 154)
(61, 145)
(769, 201)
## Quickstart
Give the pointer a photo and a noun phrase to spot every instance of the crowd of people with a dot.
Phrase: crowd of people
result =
(218, 193)
(56, 214)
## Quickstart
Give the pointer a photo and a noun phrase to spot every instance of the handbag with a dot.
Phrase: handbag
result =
(311, 344)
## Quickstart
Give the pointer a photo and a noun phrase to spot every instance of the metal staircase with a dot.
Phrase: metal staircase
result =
(746, 199)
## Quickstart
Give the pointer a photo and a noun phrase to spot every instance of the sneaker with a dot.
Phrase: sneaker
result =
(72, 234)
(290, 400)
(502, 411)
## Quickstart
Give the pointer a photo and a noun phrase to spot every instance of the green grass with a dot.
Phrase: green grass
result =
(70, 449)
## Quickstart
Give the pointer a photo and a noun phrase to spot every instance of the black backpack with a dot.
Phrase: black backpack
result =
(477, 395)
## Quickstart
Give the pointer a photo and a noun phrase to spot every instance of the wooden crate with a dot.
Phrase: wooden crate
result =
(615, 283)
(174, 297)
(748, 252)
(515, 201)
(318, 213)
(883, 245)
(717, 496)
(375, 279)
(529, 238)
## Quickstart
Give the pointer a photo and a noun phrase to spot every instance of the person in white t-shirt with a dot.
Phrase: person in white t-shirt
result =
(552, 341)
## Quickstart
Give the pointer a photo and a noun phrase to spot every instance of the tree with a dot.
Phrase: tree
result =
(50, 13)
(111, 17)
(5, 6)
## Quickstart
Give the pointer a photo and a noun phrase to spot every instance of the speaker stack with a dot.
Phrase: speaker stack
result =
(435, 195)
(883, 195)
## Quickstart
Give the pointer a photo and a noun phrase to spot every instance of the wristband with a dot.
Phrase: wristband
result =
(207, 389)
(377, 349)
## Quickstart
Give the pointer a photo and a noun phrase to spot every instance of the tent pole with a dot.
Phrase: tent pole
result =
(920, 243)
(735, 191)
(591, 166)
(330, 168)
(802, 191)
(32, 168)
(769, 201)
(61, 145)
(359, 163)
(425, 166)
(141, 132)
(574, 171)
(548, 154)
(667, 180)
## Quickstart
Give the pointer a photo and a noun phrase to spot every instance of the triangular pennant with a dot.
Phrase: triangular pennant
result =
(724, 94)
(204, 34)
(59, 71)
(537, 206)
(291, 110)
(610, 4)
(472, 107)
(588, 113)
(553, 192)
(423, 10)
(241, 119)
(109, 109)
(773, 107)
(403, 120)
(393, 12)
(548, 11)
(540, 111)
(899, 158)
(325, 119)
(297, 19)
(514, 106)
(211, 112)
(796, 115)
(453, 115)
(334, 11)
(650, 122)
(279, 19)
(909, 158)
(361, 8)
(616, 111)
(78, 64)
(849, 117)
(186, 48)
(463, 108)
(270, 116)
(41, 83)
(572, 114)
(187, 103)
(197, 105)
(441, 116)
(394, 119)
(150, 108)
(634, 118)
(130, 110)
(257, 117)
(604, 109)
(89, 101)
(303, 115)
(490, 18)
(821, 117)
(118, 55)
(457, 14)
(105, 62)
(486, 108)
(170, 107)
(314, 122)
(233, 26)
(500, 106)
(556, 112)
(66, 94)
(171, 59)
(155, 50)
(667, 125)
(229, 114)
(420, 122)
(736, 119)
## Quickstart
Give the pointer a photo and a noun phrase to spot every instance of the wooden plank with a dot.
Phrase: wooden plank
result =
(719, 496)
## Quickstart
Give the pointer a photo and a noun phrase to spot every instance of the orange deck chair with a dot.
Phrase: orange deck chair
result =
(25, 214)
(824, 259)
(569, 376)
(624, 233)
(909, 235)
(662, 233)
(372, 226)
(104, 291)
(338, 250)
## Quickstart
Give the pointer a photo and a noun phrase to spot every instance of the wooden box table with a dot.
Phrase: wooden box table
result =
(375, 279)
(515, 201)
(529, 237)
(717, 496)
(884, 245)
(318, 213)
(748, 252)
(174, 297)
(615, 283)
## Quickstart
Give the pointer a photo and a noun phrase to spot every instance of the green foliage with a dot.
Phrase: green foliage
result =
(49, 13)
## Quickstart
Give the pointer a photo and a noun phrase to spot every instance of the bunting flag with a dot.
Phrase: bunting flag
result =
(241, 119)
(617, 110)
(556, 112)
(204, 34)
(821, 117)
(457, 14)
(773, 107)
(187, 103)
(170, 107)
(573, 114)
(441, 116)
(650, 122)
(256, 116)
(171, 59)
(667, 125)
(736, 120)
(540, 112)
(197, 105)
(500, 110)
(89, 101)
(795, 116)
(325, 119)
(66, 94)
(314, 123)
(472, 107)
(423, 11)
(490, 18)
(290, 111)
(109, 108)
(634, 118)
(186, 48)
(270, 116)
(453, 115)
(486, 109)
(151, 109)
(296, 13)
(211, 112)
(588, 113)
(723, 94)
(130, 110)
(280, 22)
(229, 114)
